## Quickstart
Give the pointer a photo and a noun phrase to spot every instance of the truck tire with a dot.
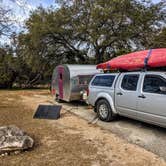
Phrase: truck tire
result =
(104, 110)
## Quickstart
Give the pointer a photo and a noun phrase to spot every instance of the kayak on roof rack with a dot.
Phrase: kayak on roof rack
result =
(153, 58)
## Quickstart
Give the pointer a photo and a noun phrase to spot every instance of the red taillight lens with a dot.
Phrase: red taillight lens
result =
(87, 91)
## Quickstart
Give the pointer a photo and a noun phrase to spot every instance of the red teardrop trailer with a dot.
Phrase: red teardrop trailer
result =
(68, 81)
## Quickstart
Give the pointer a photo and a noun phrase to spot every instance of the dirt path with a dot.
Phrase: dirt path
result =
(67, 141)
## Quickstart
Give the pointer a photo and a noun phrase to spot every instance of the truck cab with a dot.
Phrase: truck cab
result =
(140, 95)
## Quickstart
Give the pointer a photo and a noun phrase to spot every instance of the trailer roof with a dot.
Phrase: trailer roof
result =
(76, 70)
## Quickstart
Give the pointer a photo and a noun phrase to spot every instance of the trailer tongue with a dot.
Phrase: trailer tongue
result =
(152, 58)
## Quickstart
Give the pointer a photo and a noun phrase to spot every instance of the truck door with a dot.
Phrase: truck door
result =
(126, 93)
(152, 98)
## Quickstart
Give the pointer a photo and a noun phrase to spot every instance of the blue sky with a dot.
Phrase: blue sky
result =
(20, 12)
(21, 8)
(45, 3)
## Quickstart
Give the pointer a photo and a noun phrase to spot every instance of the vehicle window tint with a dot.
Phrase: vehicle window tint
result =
(154, 84)
(130, 82)
(106, 80)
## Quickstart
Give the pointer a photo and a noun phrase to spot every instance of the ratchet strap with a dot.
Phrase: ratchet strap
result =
(108, 66)
(147, 58)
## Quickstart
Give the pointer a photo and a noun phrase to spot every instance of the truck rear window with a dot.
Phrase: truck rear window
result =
(104, 80)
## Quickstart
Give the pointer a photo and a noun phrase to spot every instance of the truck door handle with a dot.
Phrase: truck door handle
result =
(119, 93)
(142, 96)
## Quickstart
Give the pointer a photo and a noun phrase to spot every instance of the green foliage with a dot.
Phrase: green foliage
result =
(7, 69)
(159, 40)
(109, 26)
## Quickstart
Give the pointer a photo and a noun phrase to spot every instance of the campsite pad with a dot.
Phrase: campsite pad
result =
(48, 112)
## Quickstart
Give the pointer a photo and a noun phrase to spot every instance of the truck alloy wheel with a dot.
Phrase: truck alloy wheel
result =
(104, 110)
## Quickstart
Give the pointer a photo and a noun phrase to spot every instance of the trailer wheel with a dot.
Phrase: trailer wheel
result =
(57, 99)
(104, 111)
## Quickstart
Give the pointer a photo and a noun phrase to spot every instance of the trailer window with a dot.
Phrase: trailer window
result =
(104, 80)
(85, 79)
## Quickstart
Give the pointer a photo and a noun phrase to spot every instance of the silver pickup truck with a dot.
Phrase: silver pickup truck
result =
(139, 95)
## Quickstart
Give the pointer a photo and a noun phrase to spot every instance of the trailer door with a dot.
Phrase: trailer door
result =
(60, 81)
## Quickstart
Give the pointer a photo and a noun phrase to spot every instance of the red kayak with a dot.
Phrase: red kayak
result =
(152, 58)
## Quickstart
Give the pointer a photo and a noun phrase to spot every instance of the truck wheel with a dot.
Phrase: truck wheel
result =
(104, 110)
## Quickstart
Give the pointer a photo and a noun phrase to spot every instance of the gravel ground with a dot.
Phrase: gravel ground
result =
(150, 137)
(70, 140)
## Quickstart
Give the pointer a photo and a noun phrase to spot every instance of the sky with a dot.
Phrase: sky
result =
(21, 8)
(20, 12)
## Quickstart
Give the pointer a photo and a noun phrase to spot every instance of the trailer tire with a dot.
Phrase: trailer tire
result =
(104, 110)
(58, 100)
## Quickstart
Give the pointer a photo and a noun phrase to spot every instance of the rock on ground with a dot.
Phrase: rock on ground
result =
(14, 139)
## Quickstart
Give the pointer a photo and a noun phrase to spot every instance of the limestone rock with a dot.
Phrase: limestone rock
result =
(14, 139)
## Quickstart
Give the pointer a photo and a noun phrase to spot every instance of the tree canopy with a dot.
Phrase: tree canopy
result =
(159, 40)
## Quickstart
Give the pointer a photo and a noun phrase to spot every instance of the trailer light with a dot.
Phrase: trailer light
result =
(84, 96)
(53, 91)
(87, 91)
